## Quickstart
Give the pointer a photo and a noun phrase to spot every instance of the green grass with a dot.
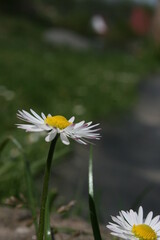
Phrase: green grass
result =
(102, 84)
(56, 80)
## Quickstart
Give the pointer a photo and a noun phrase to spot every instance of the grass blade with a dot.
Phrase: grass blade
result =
(3, 144)
(30, 187)
(92, 208)
(27, 172)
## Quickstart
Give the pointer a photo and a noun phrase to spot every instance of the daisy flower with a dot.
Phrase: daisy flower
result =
(54, 125)
(132, 225)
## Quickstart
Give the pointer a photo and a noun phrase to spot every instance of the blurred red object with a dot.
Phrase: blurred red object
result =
(140, 21)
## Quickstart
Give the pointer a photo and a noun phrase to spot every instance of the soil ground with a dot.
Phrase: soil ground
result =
(16, 224)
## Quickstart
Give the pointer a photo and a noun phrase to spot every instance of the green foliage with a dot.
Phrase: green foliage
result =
(17, 168)
(90, 85)
(57, 80)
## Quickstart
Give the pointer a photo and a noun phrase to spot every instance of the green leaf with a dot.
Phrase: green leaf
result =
(4, 144)
(92, 208)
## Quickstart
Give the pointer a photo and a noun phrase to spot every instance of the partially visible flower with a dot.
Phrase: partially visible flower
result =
(132, 225)
(54, 125)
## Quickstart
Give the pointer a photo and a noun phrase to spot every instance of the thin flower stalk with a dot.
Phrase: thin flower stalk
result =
(45, 189)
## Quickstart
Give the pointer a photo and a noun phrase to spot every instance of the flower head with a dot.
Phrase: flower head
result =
(54, 125)
(132, 225)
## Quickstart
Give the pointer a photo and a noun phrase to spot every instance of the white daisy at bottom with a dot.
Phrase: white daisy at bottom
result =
(54, 125)
(132, 225)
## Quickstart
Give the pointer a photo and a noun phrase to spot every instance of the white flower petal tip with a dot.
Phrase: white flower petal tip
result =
(81, 132)
(131, 225)
(71, 120)
(64, 138)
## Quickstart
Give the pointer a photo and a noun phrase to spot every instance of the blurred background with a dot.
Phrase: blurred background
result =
(96, 60)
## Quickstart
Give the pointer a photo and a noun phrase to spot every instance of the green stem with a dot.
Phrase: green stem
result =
(51, 197)
(47, 231)
(45, 189)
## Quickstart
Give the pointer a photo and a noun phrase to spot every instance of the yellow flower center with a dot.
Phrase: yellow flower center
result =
(57, 121)
(144, 232)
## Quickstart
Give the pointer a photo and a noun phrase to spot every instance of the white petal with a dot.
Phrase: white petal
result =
(25, 116)
(158, 232)
(157, 226)
(116, 220)
(95, 125)
(119, 235)
(28, 116)
(140, 215)
(133, 216)
(128, 218)
(125, 223)
(154, 221)
(36, 115)
(80, 141)
(64, 138)
(71, 120)
(115, 229)
(149, 218)
(43, 115)
(89, 123)
(29, 127)
(45, 127)
(51, 136)
(78, 125)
